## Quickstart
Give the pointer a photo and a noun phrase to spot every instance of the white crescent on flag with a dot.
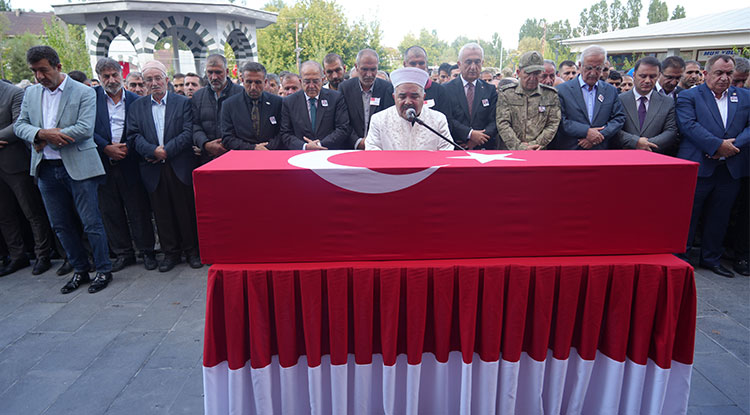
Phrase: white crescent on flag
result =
(357, 179)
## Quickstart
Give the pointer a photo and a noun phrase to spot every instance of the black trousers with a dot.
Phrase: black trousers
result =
(18, 190)
(714, 197)
(174, 210)
(126, 213)
(739, 237)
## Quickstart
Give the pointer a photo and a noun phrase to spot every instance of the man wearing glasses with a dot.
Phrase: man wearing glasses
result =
(671, 72)
(591, 113)
(314, 118)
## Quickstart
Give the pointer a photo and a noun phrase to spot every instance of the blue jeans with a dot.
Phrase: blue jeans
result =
(63, 198)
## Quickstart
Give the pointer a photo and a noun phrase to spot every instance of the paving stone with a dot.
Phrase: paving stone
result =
(704, 344)
(92, 393)
(190, 399)
(151, 391)
(727, 332)
(715, 410)
(23, 319)
(164, 312)
(703, 393)
(24, 353)
(36, 390)
(144, 289)
(77, 352)
(184, 344)
(728, 374)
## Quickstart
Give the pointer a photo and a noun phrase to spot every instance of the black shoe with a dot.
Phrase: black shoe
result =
(149, 261)
(122, 262)
(100, 282)
(4, 261)
(168, 263)
(741, 267)
(195, 261)
(65, 268)
(41, 266)
(75, 281)
(14, 265)
(719, 270)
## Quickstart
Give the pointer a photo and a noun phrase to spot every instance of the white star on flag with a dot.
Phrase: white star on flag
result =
(486, 158)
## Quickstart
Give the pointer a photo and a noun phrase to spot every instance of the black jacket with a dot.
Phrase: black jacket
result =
(237, 131)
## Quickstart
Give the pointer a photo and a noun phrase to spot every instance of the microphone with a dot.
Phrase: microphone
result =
(411, 115)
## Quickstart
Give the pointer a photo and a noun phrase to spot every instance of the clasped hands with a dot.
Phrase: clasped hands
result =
(593, 138)
(51, 136)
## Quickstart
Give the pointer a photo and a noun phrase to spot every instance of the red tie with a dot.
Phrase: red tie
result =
(470, 96)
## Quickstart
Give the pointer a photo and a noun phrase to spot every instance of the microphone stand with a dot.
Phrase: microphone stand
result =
(422, 123)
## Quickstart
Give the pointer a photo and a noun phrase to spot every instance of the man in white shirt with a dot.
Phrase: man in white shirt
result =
(391, 129)
(66, 163)
(123, 200)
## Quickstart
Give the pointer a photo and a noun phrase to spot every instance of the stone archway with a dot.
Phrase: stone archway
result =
(240, 39)
(106, 31)
(187, 30)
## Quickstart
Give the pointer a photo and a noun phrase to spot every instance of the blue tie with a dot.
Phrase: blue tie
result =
(313, 112)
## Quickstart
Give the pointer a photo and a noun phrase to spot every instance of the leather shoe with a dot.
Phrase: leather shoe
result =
(14, 265)
(168, 263)
(719, 270)
(75, 281)
(65, 268)
(100, 282)
(41, 266)
(741, 267)
(122, 262)
(195, 261)
(149, 261)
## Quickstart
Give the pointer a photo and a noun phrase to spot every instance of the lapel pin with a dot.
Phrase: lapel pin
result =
(601, 98)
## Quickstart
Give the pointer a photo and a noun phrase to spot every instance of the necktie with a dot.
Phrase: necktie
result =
(470, 96)
(255, 117)
(642, 110)
(313, 112)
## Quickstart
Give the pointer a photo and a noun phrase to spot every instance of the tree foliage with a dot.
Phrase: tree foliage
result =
(678, 13)
(321, 27)
(601, 17)
(70, 43)
(657, 12)
(14, 66)
(5, 6)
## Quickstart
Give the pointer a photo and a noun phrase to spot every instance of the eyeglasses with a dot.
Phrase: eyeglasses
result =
(593, 68)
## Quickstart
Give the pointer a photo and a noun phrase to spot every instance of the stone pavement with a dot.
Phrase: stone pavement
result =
(135, 348)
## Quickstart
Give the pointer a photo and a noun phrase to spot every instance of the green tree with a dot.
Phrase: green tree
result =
(5, 6)
(657, 12)
(14, 50)
(70, 43)
(633, 9)
(594, 20)
(618, 15)
(678, 13)
(321, 28)
(437, 49)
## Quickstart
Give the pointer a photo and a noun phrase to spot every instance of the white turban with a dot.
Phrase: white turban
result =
(409, 75)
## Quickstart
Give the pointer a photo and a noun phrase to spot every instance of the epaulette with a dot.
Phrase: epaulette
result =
(551, 88)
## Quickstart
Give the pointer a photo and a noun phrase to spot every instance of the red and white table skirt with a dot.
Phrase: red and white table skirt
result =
(590, 335)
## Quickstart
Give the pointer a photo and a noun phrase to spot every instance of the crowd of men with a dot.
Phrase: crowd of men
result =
(101, 165)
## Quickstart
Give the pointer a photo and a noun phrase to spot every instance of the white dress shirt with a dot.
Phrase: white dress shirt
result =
(159, 110)
(116, 116)
(50, 105)
(638, 97)
(723, 104)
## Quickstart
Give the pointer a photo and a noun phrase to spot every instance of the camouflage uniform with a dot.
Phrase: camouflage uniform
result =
(527, 118)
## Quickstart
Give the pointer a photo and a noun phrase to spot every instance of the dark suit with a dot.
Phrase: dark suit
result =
(482, 116)
(703, 131)
(237, 130)
(382, 92)
(660, 126)
(207, 115)
(168, 183)
(574, 123)
(331, 126)
(16, 186)
(122, 198)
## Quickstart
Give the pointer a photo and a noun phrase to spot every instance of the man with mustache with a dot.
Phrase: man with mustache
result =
(207, 104)
(391, 129)
(474, 102)
(365, 96)
(122, 198)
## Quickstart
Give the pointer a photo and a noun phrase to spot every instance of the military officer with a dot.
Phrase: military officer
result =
(528, 112)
